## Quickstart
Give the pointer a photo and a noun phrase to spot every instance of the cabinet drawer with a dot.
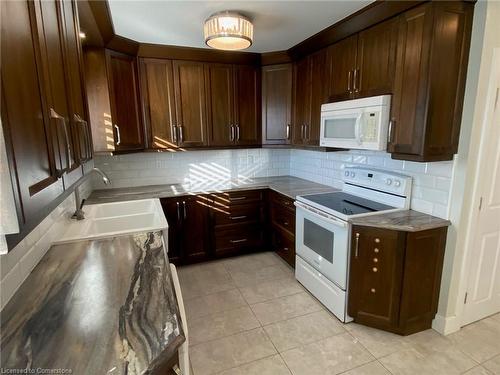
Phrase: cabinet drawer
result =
(237, 214)
(232, 198)
(233, 240)
(282, 200)
(284, 245)
(283, 218)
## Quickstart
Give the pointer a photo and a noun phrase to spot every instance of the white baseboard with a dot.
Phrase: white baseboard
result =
(446, 325)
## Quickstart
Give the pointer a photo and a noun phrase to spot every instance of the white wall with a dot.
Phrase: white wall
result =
(191, 167)
(431, 181)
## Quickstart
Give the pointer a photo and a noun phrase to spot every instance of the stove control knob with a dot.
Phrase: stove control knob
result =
(346, 173)
(353, 174)
(388, 181)
(397, 183)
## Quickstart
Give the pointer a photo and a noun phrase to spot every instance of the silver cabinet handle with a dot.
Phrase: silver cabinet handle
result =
(302, 131)
(181, 134)
(54, 115)
(238, 217)
(354, 80)
(306, 127)
(238, 241)
(349, 82)
(178, 211)
(174, 133)
(184, 207)
(237, 132)
(389, 131)
(356, 249)
(231, 133)
(237, 198)
(118, 136)
(287, 131)
(88, 154)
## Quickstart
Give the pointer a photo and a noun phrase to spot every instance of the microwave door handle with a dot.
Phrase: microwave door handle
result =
(357, 129)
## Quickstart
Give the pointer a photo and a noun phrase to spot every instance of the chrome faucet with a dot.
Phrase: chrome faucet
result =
(79, 214)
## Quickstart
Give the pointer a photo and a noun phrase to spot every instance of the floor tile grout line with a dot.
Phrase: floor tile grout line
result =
(225, 337)
(246, 363)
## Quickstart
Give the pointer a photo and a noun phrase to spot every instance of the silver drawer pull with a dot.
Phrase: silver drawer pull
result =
(237, 198)
(118, 136)
(237, 217)
(238, 241)
(287, 131)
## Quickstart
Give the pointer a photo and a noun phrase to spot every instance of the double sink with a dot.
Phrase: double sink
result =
(114, 219)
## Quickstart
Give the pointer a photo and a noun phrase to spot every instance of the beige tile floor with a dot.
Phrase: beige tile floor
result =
(249, 316)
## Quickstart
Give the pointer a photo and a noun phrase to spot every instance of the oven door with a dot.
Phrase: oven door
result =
(340, 128)
(322, 241)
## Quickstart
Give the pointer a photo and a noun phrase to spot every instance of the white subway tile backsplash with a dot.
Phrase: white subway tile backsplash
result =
(431, 181)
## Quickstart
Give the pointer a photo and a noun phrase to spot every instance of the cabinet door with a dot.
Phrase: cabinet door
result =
(302, 100)
(25, 115)
(195, 223)
(247, 105)
(158, 103)
(375, 276)
(220, 104)
(51, 41)
(341, 64)
(408, 104)
(123, 94)
(190, 103)
(376, 59)
(173, 212)
(318, 96)
(277, 103)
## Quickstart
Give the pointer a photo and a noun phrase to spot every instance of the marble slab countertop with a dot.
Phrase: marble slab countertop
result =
(286, 185)
(408, 220)
(95, 307)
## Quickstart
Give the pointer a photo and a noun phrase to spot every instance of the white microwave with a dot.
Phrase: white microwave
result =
(356, 124)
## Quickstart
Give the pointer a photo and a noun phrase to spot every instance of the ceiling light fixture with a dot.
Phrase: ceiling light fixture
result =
(228, 31)
(82, 35)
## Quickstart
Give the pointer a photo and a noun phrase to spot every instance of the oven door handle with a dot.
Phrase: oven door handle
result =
(325, 217)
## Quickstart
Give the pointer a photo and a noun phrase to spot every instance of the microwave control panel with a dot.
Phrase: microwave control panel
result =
(369, 127)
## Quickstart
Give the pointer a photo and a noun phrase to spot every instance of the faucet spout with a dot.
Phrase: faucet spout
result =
(79, 214)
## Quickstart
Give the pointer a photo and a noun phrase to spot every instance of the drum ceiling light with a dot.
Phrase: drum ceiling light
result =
(228, 31)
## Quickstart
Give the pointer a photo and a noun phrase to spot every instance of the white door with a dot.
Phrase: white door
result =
(483, 292)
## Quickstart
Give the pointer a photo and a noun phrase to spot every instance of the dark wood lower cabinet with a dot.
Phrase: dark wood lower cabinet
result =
(282, 226)
(395, 277)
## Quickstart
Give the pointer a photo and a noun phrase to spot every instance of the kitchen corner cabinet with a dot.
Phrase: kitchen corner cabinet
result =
(277, 104)
(43, 115)
(431, 66)
(124, 99)
(395, 277)
(309, 95)
(188, 225)
(363, 64)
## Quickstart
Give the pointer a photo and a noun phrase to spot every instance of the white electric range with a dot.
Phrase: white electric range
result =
(323, 231)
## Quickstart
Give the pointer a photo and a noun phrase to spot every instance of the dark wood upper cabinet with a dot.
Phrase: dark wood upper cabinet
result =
(341, 62)
(190, 103)
(247, 105)
(29, 132)
(157, 89)
(318, 71)
(431, 66)
(376, 59)
(363, 64)
(220, 104)
(277, 104)
(394, 278)
(124, 100)
(301, 100)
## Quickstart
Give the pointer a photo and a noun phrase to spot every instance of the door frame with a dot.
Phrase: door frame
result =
(477, 183)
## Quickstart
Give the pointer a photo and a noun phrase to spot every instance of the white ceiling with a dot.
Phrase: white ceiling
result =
(278, 25)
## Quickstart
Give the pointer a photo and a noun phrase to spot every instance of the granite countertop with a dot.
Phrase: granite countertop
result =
(95, 307)
(408, 220)
(286, 185)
